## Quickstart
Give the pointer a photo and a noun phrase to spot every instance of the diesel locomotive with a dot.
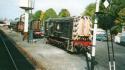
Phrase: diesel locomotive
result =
(71, 33)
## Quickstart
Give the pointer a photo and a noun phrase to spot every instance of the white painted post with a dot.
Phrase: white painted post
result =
(95, 28)
(26, 21)
(94, 35)
(97, 5)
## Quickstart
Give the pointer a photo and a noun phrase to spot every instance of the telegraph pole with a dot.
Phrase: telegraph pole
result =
(94, 35)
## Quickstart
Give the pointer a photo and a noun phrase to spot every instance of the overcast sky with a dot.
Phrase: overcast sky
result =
(10, 8)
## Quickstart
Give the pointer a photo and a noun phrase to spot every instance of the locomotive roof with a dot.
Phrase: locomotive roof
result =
(62, 19)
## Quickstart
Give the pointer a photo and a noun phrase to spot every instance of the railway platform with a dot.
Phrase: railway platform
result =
(46, 57)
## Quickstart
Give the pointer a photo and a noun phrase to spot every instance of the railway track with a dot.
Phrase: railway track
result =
(11, 58)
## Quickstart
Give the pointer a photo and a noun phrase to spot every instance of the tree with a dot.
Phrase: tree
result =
(116, 6)
(50, 13)
(117, 10)
(120, 20)
(90, 10)
(110, 19)
(37, 15)
(122, 15)
(64, 13)
(102, 18)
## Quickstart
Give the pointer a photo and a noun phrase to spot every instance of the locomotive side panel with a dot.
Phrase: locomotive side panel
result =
(70, 32)
(59, 27)
(65, 28)
(59, 31)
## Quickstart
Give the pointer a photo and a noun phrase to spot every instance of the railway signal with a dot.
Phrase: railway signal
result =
(110, 49)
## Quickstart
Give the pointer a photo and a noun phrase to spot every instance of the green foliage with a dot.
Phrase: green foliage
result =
(117, 10)
(116, 29)
(37, 15)
(50, 13)
(64, 13)
(90, 10)
(42, 16)
(121, 17)
(116, 6)
(122, 12)
(112, 17)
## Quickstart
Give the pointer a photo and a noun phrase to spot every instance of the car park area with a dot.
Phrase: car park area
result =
(101, 37)
(122, 40)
